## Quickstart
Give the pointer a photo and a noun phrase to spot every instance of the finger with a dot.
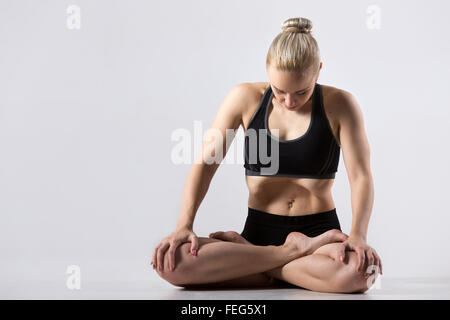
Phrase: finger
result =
(194, 245)
(379, 262)
(361, 259)
(341, 253)
(171, 252)
(371, 265)
(381, 267)
(160, 256)
(370, 262)
(154, 256)
(345, 244)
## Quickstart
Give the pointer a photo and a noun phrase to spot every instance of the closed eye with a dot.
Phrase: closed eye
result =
(300, 94)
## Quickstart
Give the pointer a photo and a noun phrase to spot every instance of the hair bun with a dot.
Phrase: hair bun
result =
(297, 25)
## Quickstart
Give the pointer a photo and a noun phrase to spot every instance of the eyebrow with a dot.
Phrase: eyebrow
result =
(296, 91)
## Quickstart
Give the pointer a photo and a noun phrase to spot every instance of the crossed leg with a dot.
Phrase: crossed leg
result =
(318, 271)
(322, 272)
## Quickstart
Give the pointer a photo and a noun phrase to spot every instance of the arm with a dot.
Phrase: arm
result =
(229, 116)
(356, 154)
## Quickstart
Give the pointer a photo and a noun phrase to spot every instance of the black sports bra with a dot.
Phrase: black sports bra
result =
(312, 155)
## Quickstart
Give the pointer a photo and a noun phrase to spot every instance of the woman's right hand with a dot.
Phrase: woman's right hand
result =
(171, 242)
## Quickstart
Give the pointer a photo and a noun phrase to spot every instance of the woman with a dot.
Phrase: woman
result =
(292, 233)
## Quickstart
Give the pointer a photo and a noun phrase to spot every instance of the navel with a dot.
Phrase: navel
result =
(291, 203)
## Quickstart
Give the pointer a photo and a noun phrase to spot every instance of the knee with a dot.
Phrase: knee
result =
(350, 280)
(183, 260)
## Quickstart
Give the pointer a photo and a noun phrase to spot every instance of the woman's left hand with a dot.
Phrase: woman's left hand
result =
(365, 254)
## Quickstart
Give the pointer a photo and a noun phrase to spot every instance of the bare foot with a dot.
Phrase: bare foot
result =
(305, 245)
(231, 236)
(299, 240)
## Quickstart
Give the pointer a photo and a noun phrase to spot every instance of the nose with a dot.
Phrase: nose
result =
(289, 102)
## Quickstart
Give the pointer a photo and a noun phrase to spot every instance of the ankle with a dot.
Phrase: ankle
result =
(299, 244)
(290, 251)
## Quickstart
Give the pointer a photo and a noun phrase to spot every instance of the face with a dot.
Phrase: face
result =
(292, 90)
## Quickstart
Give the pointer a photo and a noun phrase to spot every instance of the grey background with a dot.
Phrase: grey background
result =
(86, 118)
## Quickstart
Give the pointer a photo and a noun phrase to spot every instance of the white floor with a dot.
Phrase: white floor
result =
(157, 289)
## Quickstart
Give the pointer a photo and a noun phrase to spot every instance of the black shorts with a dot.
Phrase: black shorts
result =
(264, 228)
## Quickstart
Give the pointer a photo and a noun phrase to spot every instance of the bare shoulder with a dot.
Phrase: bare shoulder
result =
(234, 108)
(341, 108)
(252, 91)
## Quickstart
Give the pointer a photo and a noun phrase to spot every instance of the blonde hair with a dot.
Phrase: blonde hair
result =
(294, 49)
